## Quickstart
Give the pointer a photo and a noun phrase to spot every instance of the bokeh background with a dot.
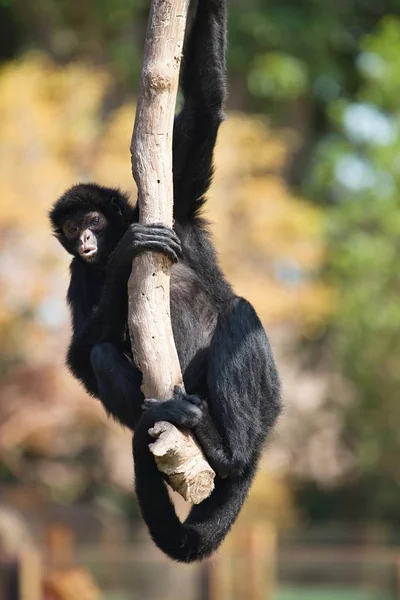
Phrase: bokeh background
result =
(305, 212)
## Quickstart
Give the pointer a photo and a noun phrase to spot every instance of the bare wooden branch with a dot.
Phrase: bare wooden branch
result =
(177, 454)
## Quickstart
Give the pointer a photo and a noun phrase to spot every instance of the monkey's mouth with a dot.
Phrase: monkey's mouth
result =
(89, 253)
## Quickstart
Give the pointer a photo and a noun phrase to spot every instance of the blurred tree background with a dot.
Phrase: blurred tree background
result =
(306, 207)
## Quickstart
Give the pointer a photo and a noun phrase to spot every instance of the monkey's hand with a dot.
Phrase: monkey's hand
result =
(190, 412)
(139, 238)
(182, 410)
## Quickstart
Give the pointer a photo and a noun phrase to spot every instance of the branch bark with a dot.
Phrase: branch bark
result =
(177, 453)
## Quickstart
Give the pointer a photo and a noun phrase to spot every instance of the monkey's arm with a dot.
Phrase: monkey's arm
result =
(204, 89)
(92, 303)
(81, 295)
(102, 366)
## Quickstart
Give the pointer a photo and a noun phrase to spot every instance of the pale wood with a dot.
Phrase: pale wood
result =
(177, 454)
(30, 574)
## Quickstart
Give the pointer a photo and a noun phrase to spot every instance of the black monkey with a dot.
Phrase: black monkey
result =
(232, 387)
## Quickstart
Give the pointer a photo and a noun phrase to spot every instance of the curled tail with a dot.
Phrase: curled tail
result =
(207, 523)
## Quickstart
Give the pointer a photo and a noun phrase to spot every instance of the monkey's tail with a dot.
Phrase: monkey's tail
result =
(207, 523)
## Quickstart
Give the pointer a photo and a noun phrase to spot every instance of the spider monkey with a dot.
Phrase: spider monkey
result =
(232, 396)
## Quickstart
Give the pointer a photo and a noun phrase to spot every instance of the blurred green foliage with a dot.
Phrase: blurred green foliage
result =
(290, 49)
(357, 169)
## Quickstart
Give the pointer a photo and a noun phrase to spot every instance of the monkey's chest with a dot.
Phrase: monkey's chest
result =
(194, 318)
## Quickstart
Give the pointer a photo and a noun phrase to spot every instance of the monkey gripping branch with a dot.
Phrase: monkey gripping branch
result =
(177, 454)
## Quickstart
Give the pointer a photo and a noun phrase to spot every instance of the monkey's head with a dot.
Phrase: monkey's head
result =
(89, 220)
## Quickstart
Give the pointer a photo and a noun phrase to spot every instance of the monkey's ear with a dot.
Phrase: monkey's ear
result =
(115, 205)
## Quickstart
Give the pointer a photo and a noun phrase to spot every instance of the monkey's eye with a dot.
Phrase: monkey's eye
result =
(70, 231)
(97, 222)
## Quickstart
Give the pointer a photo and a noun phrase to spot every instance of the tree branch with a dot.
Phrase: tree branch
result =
(177, 454)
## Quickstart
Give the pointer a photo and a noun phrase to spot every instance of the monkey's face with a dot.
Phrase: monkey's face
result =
(84, 234)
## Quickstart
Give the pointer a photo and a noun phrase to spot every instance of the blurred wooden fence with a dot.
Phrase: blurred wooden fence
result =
(21, 577)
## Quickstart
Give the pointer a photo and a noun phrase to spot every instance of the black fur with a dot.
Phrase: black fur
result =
(232, 388)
